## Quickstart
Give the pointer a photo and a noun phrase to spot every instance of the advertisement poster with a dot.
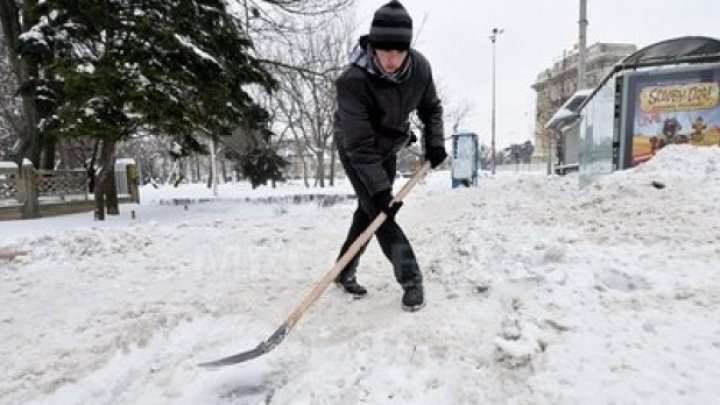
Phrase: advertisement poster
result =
(675, 109)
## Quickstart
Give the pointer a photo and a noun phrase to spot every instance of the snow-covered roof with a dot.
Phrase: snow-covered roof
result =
(124, 161)
(8, 165)
(675, 49)
(690, 49)
(569, 111)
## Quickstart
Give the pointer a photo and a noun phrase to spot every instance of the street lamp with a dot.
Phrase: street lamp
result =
(495, 33)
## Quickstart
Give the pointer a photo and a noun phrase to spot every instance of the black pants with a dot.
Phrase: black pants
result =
(393, 241)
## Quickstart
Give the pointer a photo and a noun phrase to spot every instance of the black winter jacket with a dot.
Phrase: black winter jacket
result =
(371, 119)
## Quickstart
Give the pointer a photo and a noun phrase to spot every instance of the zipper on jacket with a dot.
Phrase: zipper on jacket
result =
(398, 89)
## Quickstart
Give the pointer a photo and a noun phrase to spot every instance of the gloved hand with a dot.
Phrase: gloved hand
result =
(436, 155)
(383, 202)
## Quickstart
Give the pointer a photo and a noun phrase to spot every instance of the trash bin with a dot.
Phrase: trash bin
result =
(465, 160)
(127, 178)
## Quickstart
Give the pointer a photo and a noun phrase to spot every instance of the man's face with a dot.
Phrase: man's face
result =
(390, 61)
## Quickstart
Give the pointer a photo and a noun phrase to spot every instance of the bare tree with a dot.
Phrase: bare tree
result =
(306, 99)
(457, 114)
(304, 43)
(277, 21)
(151, 153)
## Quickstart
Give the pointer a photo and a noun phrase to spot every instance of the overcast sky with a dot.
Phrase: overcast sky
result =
(455, 38)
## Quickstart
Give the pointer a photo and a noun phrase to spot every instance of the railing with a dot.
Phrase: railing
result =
(9, 185)
(25, 189)
(26, 192)
(62, 183)
(522, 167)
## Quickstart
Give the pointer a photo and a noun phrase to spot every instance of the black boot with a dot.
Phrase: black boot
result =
(413, 298)
(351, 286)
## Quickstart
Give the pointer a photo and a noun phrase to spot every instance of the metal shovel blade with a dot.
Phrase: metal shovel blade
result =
(258, 351)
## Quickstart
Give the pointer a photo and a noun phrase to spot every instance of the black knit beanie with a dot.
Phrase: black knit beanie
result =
(391, 27)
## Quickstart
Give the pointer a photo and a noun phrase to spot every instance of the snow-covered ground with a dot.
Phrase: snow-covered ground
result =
(537, 294)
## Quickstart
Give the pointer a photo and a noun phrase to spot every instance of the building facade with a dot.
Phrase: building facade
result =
(558, 83)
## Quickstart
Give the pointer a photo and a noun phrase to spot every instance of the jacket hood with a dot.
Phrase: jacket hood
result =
(363, 56)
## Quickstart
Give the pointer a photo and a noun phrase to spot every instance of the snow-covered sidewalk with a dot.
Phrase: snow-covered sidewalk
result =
(537, 293)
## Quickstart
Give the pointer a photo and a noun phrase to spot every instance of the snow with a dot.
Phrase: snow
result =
(8, 165)
(176, 148)
(564, 113)
(536, 293)
(34, 35)
(238, 191)
(85, 68)
(188, 43)
(124, 161)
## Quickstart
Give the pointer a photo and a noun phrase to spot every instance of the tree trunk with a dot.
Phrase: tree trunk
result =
(213, 165)
(333, 162)
(49, 154)
(90, 168)
(111, 197)
(29, 141)
(320, 170)
(165, 173)
(12, 28)
(305, 172)
(182, 168)
(195, 169)
(106, 165)
(191, 169)
(301, 156)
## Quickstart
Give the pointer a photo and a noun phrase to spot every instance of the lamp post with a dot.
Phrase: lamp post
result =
(582, 46)
(495, 33)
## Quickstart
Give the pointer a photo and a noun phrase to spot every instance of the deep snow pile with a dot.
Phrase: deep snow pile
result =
(537, 293)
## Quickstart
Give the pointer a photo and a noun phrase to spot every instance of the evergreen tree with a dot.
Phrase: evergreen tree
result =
(179, 68)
